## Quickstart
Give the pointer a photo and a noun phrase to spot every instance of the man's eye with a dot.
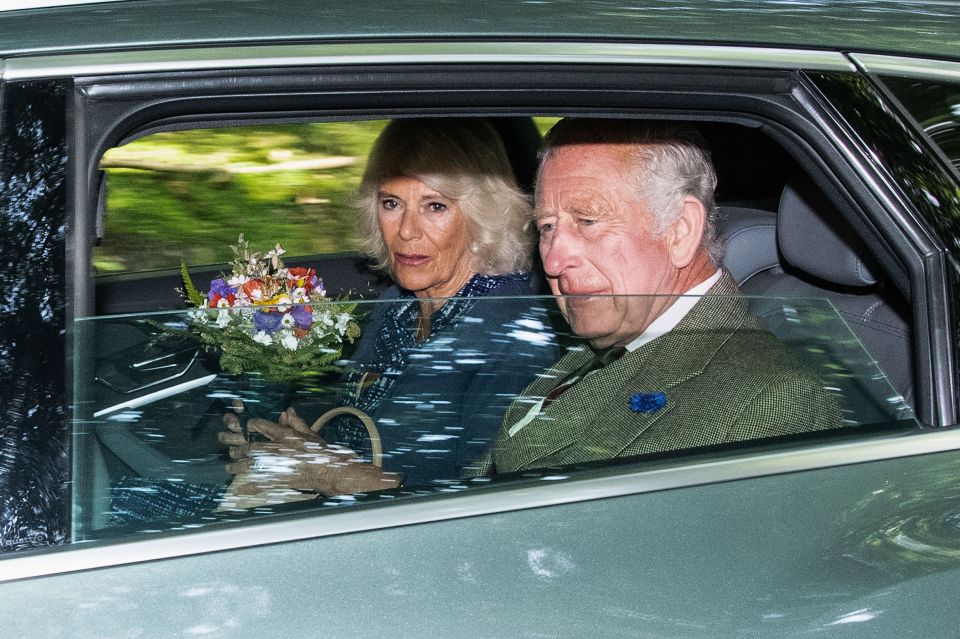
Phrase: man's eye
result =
(437, 207)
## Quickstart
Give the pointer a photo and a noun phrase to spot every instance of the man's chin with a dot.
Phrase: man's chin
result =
(598, 336)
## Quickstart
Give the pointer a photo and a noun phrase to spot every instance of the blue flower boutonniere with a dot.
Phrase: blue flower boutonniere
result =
(647, 402)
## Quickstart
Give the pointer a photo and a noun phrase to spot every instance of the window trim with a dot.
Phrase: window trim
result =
(420, 53)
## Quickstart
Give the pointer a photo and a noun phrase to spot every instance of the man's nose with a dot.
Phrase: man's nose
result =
(409, 225)
(559, 252)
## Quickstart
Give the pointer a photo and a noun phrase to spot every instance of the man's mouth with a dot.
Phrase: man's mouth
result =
(581, 293)
(411, 259)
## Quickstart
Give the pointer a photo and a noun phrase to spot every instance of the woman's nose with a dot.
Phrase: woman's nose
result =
(409, 226)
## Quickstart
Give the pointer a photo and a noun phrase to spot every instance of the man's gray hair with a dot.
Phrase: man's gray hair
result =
(666, 162)
(464, 159)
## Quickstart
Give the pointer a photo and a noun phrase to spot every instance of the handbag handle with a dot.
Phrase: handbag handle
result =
(372, 432)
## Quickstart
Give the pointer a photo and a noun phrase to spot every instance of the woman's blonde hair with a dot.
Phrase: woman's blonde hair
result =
(464, 159)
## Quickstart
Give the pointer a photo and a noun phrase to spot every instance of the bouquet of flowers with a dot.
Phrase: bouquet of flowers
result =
(268, 319)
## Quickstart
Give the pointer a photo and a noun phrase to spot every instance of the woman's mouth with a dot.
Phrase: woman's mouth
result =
(411, 259)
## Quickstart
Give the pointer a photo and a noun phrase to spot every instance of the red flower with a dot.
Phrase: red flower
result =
(253, 289)
(302, 277)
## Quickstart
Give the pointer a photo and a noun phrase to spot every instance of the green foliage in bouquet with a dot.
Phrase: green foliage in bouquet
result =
(271, 320)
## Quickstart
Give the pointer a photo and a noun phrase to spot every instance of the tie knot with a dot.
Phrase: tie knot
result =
(609, 355)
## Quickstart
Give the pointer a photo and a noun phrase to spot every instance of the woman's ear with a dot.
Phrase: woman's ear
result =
(686, 232)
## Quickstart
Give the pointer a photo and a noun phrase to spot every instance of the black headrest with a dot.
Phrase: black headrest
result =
(749, 240)
(814, 238)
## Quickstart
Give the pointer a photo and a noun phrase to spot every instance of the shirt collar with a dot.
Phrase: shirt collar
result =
(669, 319)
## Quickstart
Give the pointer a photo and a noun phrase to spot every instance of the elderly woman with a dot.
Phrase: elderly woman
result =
(436, 368)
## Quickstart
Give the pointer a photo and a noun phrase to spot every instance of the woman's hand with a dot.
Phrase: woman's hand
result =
(297, 458)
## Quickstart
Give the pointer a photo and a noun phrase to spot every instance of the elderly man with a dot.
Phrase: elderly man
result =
(626, 219)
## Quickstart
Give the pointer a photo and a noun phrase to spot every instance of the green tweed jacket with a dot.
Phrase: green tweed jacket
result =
(724, 376)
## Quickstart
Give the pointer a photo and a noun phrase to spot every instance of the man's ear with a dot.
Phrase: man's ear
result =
(683, 238)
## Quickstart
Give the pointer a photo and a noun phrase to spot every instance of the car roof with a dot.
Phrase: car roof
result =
(928, 28)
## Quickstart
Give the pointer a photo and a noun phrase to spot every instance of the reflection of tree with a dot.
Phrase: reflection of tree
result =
(32, 341)
(911, 527)
(901, 151)
(936, 107)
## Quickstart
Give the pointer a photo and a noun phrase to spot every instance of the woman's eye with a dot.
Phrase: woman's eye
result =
(585, 221)
(544, 228)
(389, 204)
(437, 207)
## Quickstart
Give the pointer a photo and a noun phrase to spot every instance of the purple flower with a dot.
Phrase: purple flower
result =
(219, 289)
(302, 317)
(647, 402)
(267, 322)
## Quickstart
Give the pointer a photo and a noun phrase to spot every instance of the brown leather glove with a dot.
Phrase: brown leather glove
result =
(296, 457)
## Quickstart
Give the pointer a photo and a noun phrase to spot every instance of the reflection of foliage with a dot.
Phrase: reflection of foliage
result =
(180, 195)
(936, 107)
(910, 527)
(893, 143)
(34, 465)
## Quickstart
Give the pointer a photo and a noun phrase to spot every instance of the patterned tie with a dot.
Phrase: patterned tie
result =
(601, 359)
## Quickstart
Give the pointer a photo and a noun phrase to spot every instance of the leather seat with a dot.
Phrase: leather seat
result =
(806, 252)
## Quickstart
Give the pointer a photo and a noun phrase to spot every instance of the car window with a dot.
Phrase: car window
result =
(156, 387)
(936, 106)
(178, 195)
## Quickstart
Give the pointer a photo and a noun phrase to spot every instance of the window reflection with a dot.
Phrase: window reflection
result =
(936, 106)
(152, 410)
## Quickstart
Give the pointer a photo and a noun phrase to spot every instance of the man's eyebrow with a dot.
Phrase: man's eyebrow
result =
(594, 206)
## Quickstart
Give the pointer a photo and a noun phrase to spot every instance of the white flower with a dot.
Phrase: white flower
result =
(237, 281)
(283, 303)
(262, 337)
(342, 320)
(289, 342)
(223, 303)
(300, 295)
(274, 256)
(223, 318)
(287, 321)
(257, 294)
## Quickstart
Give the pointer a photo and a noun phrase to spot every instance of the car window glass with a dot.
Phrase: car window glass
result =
(936, 106)
(178, 195)
(154, 388)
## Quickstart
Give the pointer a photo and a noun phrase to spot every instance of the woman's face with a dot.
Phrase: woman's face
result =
(426, 237)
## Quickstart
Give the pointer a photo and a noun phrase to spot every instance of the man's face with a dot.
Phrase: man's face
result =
(595, 241)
